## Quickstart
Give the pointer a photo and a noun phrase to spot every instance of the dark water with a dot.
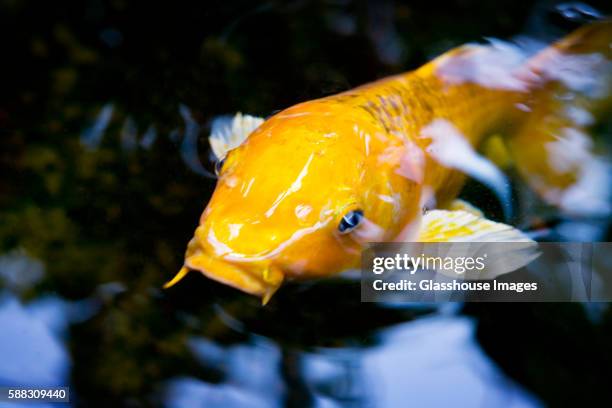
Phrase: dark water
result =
(103, 111)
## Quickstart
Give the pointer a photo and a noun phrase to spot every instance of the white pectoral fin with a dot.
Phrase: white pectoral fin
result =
(228, 132)
(450, 148)
(464, 226)
(507, 248)
(459, 204)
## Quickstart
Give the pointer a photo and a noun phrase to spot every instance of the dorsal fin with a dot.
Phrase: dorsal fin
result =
(228, 132)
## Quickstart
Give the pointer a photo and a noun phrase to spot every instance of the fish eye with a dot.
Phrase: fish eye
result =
(219, 165)
(350, 221)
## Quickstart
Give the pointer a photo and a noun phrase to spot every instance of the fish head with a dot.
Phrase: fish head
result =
(300, 198)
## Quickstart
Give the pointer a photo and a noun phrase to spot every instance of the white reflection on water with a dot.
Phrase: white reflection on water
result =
(252, 378)
(433, 361)
(92, 136)
(18, 271)
(149, 137)
(189, 144)
(31, 353)
(32, 335)
(189, 392)
(437, 362)
(129, 135)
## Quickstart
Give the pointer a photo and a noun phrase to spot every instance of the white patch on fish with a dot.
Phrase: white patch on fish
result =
(492, 66)
(450, 148)
(412, 162)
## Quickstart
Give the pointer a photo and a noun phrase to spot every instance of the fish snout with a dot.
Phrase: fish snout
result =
(260, 278)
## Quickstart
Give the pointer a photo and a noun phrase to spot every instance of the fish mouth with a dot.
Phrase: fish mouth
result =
(259, 280)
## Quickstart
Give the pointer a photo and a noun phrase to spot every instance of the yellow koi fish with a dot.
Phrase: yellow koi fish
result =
(301, 194)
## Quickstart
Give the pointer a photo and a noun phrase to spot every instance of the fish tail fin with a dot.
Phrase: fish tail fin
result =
(553, 149)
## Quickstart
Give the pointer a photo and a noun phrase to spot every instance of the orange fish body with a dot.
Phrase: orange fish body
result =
(303, 194)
